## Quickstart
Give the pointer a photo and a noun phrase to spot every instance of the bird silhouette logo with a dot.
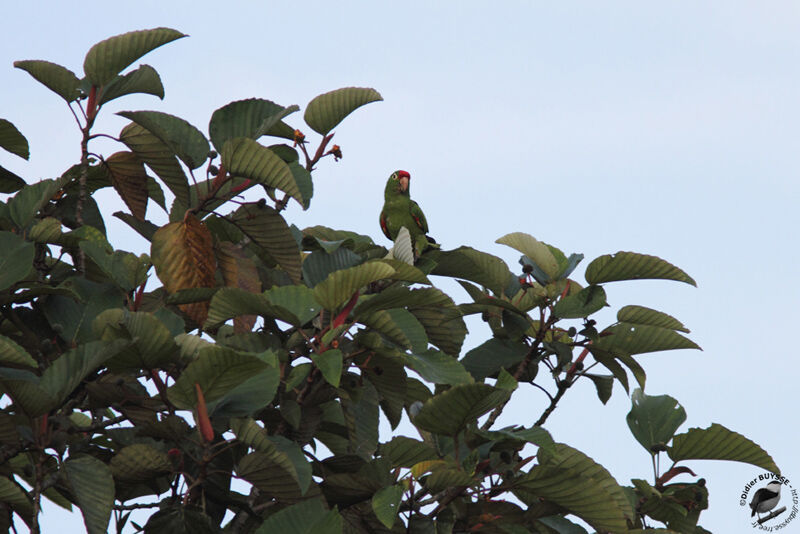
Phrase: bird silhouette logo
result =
(766, 498)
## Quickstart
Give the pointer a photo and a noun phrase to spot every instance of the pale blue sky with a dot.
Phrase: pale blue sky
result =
(666, 129)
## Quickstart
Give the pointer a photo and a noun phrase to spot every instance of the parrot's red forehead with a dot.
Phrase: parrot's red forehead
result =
(403, 174)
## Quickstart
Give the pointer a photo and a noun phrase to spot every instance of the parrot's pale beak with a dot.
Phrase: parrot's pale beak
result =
(404, 183)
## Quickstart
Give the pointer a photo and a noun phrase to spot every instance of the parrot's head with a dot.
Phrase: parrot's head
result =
(398, 183)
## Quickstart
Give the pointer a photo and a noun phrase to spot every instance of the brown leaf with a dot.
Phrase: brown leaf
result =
(130, 180)
(238, 271)
(183, 255)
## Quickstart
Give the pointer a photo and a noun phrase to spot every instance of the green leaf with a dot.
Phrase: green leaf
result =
(443, 322)
(438, 368)
(17, 259)
(75, 318)
(297, 458)
(339, 286)
(108, 58)
(269, 230)
(127, 270)
(327, 110)
(399, 326)
(279, 453)
(24, 206)
(271, 474)
(12, 494)
(285, 152)
(638, 339)
(492, 355)
(319, 264)
(145, 80)
(332, 523)
(183, 139)
(245, 118)
(139, 463)
(406, 452)
(12, 140)
(178, 519)
(159, 157)
(653, 420)
(506, 381)
(536, 435)
(230, 302)
(403, 272)
(385, 370)
(249, 397)
(47, 230)
(385, 504)
(535, 250)
(146, 229)
(13, 354)
(361, 417)
(581, 304)
(633, 266)
(330, 364)
(247, 158)
(604, 385)
(93, 488)
(296, 519)
(299, 300)
(357, 242)
(304, 182)
(192, 294)
(588, 498)
(67, 371)
(718, 443)
(565, 457)
(400, 297)
(562, 525)
(633, 365)
(9, 183)
(274, 125)
(23, 388)
(473, 265)
(449, 412)
(448, 477)
(155, 193)
(217, 370)
(647, 316)
(58, 79)
(153, 344)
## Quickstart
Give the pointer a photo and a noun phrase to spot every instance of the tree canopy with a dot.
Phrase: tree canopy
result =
(268, 354)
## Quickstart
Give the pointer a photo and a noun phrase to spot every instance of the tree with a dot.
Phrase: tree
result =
(269, 353)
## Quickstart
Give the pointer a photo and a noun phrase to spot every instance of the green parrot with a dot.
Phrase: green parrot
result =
(399, 210)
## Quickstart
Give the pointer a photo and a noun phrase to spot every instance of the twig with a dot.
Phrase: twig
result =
(99, 426)
(122, 507)
(76, 116)
(562, 388)
(162, 390)
(545, 391)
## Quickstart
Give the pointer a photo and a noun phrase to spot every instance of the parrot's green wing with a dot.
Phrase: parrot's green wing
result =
(385, 224)
(419, 217)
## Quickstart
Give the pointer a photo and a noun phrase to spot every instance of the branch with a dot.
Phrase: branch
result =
(774, 513)
(544, 326)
